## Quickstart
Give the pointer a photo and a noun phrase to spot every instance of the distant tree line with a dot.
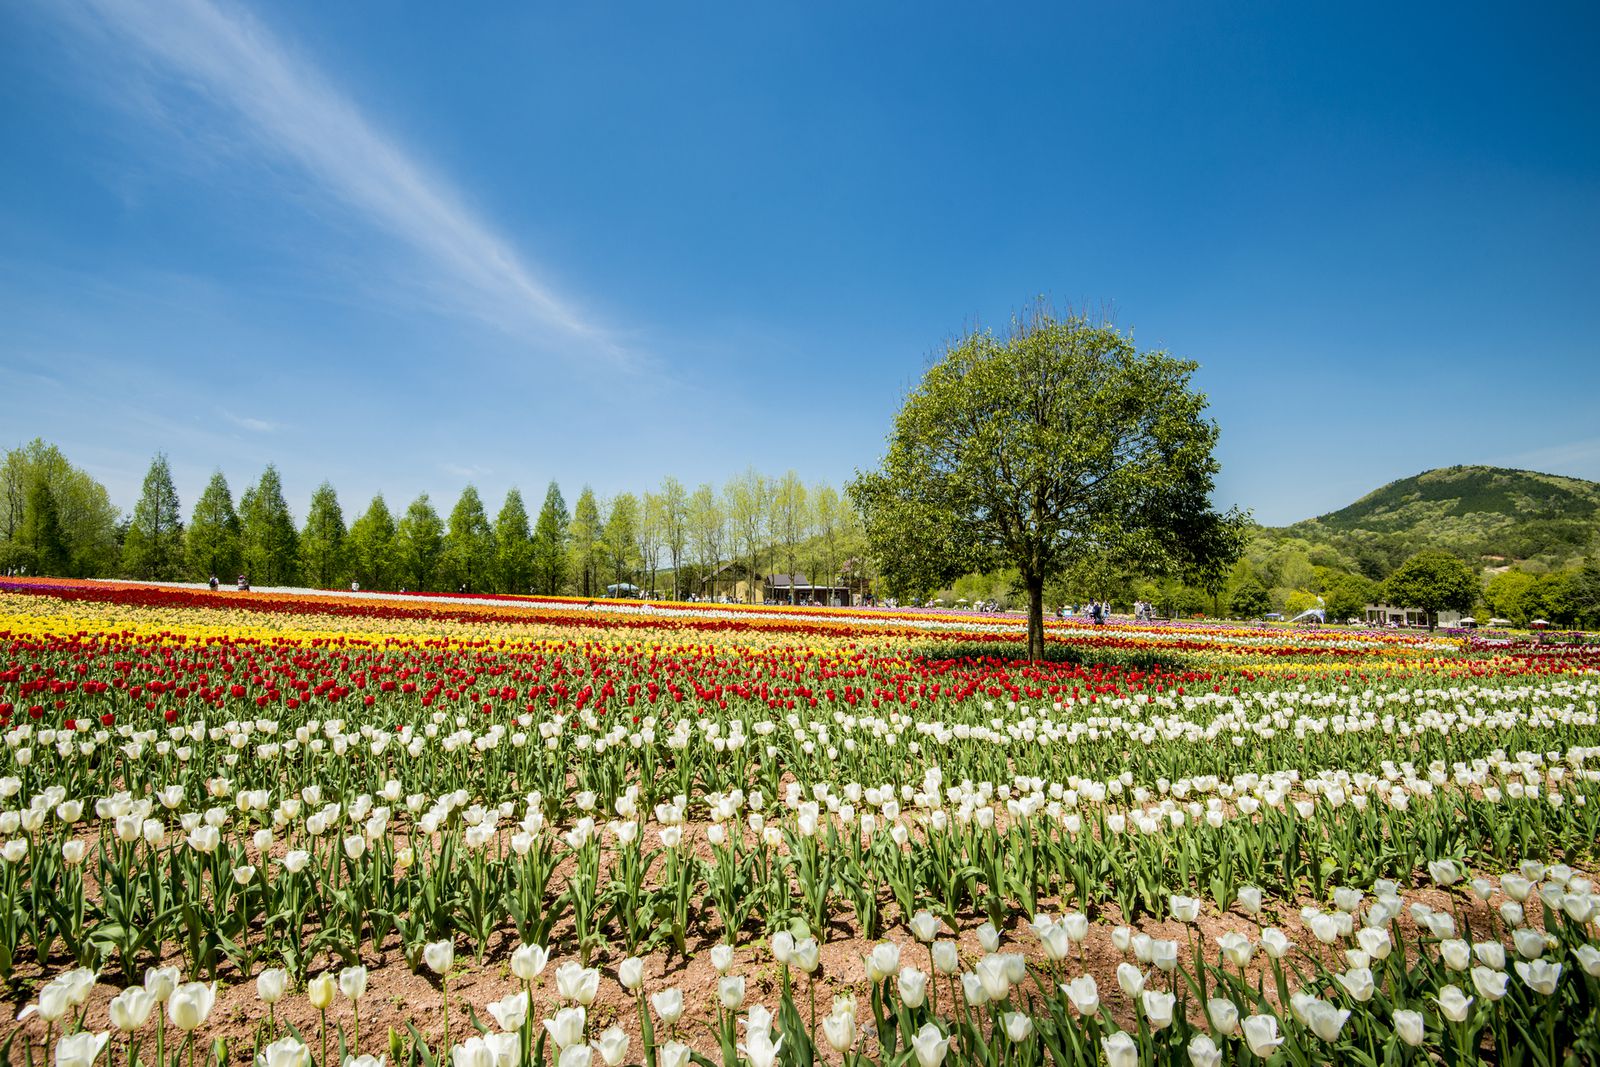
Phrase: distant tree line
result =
(1289, 575)
(55, 519)
(672, 540)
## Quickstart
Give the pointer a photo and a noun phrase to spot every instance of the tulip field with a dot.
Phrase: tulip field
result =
(311, 828)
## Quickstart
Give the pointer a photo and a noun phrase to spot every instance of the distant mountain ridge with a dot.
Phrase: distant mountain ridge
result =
(1487, 512)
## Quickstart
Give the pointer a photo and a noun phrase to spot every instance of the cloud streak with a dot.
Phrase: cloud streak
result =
(291, 110)
(247, 422)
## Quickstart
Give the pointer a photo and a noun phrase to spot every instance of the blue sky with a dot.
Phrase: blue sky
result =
(403, 249)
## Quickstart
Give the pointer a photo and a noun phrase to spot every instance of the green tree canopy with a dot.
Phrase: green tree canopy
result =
(372, 547)
(41, 531)
(1058, 441)
(1583, 591)
(1510, 595)
(1434, 581)
(212, 541)
(154, 548)
(267, 534)
(746, 498)
(84, 513)
(674, 513)
(513, 545)
(419, 541)
(1346, 596)
(468, 559)
(586, 549)
(550, 544)
(708, 529)
(1250, 597)
(324, 557)
(619, 539)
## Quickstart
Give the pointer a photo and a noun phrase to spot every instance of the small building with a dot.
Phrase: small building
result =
(730, 583)
(798, 589)
(1390, 615)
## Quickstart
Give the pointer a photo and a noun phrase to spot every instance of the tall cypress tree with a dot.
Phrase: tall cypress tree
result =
(550, 544)
(269, 539)
(372, 547)
(41, 531)
(585, 544)
(419, 540)
(212, 542)
(469, 544)
(323, 556)
(512, 548)
(154, 548)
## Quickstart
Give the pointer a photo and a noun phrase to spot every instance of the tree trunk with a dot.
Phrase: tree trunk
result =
(1035, 586)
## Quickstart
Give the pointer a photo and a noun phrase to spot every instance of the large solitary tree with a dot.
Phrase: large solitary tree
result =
(1057, 441)
(1434, 581)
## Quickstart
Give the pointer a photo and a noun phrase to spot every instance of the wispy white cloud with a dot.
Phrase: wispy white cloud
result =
(464, 470)
(293, 112)
(254, 425)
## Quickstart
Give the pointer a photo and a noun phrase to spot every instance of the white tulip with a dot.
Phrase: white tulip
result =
(1540, 976)
(1158, 1008)
(1224, 1015)
(722, 958)
(285, 1052)
(612, 1044)
(668, 1004)
(1410, 1026)
(577, 983)
(353, 982)
(1084, 994)
(272, 984)
(320, 991)
(439, 955)
(1203, 1052)
(1120, 1049)
(565, 1027)
(161, 981)
(528, 961)
(131, 1008)
(929, 1045)
(190, 1004)
(82, 1049)
(883, 962)
(1261, 1035)
(1453, 1004)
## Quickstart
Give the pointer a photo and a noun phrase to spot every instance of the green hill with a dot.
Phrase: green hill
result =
(1490, 513)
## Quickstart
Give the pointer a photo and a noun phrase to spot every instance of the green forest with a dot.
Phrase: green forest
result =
(57, 520)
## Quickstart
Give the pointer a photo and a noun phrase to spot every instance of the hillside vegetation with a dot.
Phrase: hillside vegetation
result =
(1488, 513)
